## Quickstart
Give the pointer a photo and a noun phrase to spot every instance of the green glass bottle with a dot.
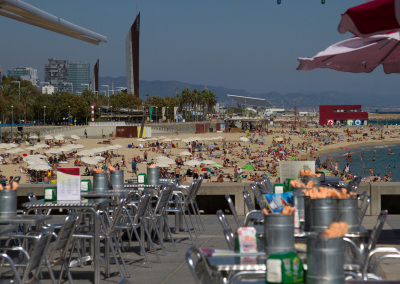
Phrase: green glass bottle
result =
(284, 268)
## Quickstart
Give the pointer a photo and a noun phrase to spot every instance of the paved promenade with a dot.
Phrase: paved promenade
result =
(173, 268)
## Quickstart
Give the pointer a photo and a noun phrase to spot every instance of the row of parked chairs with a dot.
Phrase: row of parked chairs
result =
(134, 215)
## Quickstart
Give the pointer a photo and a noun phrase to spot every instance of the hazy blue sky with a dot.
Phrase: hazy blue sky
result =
(247, 44)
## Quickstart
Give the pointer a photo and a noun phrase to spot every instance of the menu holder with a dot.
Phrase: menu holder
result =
(68, 184)
(277, 201)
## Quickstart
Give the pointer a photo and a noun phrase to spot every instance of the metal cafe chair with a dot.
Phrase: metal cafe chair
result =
(198, 265)
(361, 253)
(227, 230)
(364, 201)
(233, 210)
(31, 262)
(108, 233)
(159, 214)
(248, 200)
(15, 278)
(353, 184)
(134, 219)
(60, 248)
(181, 205)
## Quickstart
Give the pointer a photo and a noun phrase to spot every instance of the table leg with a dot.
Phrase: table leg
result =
(96, 259)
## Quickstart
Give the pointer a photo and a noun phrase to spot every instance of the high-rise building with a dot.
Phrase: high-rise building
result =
(24, 73)
(132, 57)
(56, 74)
(95, 77)
(79, 76)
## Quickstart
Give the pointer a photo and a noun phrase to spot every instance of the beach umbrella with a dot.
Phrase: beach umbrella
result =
(90, 160)
(14, 151)
(39, 167)
(85, 153)
(261, 139)
(76, 146)
(75, 137)
(30, 148)
(167, 140)
(176, 139)
(112, 147)
(33, 136)
(341, 137)
(303, 130)
(326, 138)
(358, 55)
(208, 162)
(59, 137)
(244, 139)
(37, 161)
(42, 146)
(35, 157)
(248, 167)
(99, 158)
(205, 170)
(48, 137)
(53, 151)
(374, 17)
(99, 149)
(193, 163)
(162, 165)
(185, 153)
(216, 166)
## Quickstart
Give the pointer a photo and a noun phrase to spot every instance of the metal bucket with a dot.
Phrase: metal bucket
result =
(307, 214)
(298, 199)
(8, 203)
(325, 258)
(316, 180)
(153, 175)
(324, 212)
(100, 181)
(117, 179)
(348, 212)
(279, 233)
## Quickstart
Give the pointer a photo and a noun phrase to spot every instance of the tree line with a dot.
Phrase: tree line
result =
(29, 104)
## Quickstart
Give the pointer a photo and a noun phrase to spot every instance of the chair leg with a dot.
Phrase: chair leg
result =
(53, 279)
(191, 222)
(142, 246)
(166, 224)
(187, 225)
(151, 243)
(159, 235)
(121, 256)
(198, 213)
(196, 217)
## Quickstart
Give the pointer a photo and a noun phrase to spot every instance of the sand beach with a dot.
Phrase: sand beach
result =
(282, 144)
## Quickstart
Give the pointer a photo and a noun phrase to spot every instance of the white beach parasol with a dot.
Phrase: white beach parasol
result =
(176, 139)
(90, 160)
(30, 148)
(39, 167)
(85, 153)
(53, 151)
(244, 139)
(185, 153)
(33, 136)
(42, 146)
(48, 137)
(162, 165)
(59, 137)
(193, 163)
(75, 137)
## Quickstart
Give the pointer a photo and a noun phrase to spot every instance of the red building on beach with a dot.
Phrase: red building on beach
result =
(342, 115)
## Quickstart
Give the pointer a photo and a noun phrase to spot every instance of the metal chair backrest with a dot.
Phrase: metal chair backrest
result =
(143, 206)
(268, 184)
(353, 184)
(37, 255)
(31, 196)
(261, 187)
(248, 201)
(228, 233)
(164, 199)
(256, 192)
(365, 201)
(197, 188)
(233, 209)
(64, 237)
(376, 232)
(199, 267)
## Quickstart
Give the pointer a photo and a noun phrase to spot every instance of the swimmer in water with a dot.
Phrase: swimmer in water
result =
(388, 167)
(374, 151)
(373, 158)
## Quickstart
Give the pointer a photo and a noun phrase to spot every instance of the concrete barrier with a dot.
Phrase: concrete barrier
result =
(211, 196)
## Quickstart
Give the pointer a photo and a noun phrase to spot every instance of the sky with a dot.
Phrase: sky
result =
(246, 44)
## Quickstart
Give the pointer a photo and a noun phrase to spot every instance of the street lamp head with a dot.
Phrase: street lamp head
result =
(12, 106)
(44, 106)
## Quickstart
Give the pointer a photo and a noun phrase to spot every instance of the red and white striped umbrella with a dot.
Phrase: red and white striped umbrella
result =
(358, 55)
(374, 17)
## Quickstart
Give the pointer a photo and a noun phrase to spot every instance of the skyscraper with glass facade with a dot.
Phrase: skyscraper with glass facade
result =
(79, 76)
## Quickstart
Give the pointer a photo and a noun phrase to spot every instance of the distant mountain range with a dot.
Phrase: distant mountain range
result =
(303, 101)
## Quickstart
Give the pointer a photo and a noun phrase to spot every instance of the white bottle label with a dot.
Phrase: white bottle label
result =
(274, 271)
(48, 194)
(84, 186)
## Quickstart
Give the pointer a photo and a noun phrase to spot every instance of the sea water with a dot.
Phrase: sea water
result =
(382, 165)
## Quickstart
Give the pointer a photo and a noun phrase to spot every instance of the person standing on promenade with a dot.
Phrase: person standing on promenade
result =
(85, 132)
(134, 164)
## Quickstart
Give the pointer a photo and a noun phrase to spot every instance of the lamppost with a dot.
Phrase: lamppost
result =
(157, 113)
(19, 89)
(69, 114)
(44, 115)
(12, 121)
(108, 94)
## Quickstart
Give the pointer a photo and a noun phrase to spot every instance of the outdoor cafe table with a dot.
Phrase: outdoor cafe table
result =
(87, 205)
(26, 220)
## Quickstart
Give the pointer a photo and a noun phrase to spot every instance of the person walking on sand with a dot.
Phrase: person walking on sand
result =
(195, 173)
(85, 133)
(145, 155)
